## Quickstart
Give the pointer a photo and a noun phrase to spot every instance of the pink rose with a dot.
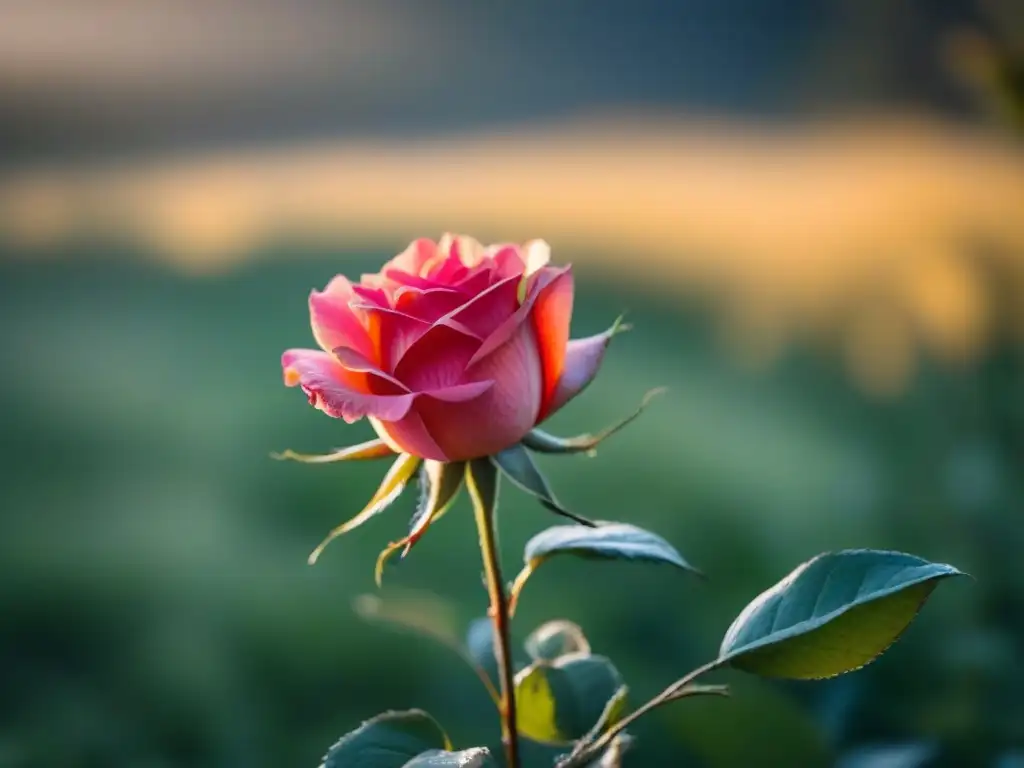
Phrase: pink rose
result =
(453, 351)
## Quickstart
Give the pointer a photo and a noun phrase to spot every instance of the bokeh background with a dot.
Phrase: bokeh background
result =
(813, 213)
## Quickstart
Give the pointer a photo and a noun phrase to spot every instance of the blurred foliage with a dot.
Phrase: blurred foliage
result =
(159, 611)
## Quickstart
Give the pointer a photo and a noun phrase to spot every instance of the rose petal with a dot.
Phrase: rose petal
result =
(459, 393)
(448, 271)
(437, 359)
(334, 323)
(538, 254)
(489, 309)
(551, 316)
(430, 305)
(391, 333)
(507, 261)
(413, 258)
(410, 435)
(501, 415)
(476, 280)
(583, 358)
(377, 381)
(508, 328)
(407, 279)
(372, 295)
(329, 387)
(468, 250)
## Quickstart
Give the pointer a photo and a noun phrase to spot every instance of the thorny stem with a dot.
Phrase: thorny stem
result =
(673, 692)
(483, 509)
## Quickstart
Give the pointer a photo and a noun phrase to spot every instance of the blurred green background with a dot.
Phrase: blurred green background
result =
(814, 219)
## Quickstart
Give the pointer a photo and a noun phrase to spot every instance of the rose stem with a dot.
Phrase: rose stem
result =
(485, 502)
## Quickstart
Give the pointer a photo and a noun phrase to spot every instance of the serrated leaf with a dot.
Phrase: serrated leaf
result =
(389, 740)
(543, 442)
(391, 488)
(374, 449)
(556, 638)
(477, 757)
(833, 614)
(558, 702)
(440, 484)
(518, 466)
(608, 541)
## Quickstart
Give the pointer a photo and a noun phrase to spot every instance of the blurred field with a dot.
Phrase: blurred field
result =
(879, 229)
(833, 297)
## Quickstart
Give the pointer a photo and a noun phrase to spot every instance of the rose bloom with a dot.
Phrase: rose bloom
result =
(453, 351)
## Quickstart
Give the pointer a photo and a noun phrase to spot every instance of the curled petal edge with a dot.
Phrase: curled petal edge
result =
(326, 383)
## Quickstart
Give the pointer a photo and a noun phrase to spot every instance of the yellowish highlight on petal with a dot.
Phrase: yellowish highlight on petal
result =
(538, 254)
(390, 489)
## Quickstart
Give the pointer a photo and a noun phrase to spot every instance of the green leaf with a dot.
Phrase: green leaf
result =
(612, 541)
(556, 638)
(518, 466)
(477, 757)
(391, 488)
(613, 711)
(440, 483)
(543, 442)
(374, 449)
(389, 740)
(480, 643)
(558, 702)
(833, 614)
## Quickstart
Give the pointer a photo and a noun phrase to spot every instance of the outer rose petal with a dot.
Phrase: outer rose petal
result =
(376, 381)
(537, 254)
(551, 316)
(583, 358)
(413, 258)
(329, 387)
(410, 434)
(508, 328)
(334, 323)
(467, 249)
(501, 416)
(437, 359)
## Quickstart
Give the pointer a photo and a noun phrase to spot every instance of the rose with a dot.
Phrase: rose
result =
(453, 351)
